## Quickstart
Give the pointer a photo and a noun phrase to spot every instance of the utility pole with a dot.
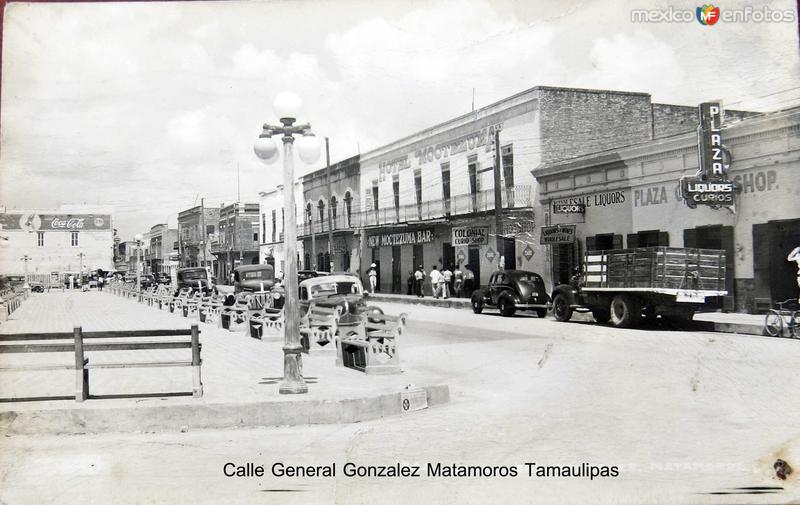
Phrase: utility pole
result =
(313, 239)
(498, 199)
(330, 209)
(203, 225)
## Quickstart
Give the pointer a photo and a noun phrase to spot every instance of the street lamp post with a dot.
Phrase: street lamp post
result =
(138, 239)
(286, 105)
(26, 259)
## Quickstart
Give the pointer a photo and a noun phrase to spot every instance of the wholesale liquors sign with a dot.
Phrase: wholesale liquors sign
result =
(470, 235)
(711, 185)
(558, 234)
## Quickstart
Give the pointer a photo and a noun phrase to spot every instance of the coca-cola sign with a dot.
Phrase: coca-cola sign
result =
(31, 221)
(73, 223)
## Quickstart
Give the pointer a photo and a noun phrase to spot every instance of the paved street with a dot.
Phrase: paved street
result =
(685, 416)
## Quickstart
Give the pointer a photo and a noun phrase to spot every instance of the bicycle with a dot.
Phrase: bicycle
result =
(776, 319)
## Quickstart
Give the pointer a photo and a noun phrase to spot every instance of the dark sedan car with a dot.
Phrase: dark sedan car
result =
(512, 290)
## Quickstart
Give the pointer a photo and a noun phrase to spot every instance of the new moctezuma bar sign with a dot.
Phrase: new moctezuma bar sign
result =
(401, 238)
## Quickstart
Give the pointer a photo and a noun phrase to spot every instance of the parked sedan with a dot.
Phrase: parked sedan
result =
(337, 290)
(512, 290)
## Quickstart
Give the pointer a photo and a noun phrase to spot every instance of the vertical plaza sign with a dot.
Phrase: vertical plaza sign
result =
(711, 185)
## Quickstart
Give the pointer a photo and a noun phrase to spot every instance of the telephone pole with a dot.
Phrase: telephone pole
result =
(330, 209)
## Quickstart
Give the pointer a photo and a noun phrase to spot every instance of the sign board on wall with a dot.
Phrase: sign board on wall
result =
(558, 234)
(711, 185)
(55, 222)
(469, 235)
(401, 238)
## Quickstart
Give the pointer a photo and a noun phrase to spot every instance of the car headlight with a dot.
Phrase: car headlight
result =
(276, 296)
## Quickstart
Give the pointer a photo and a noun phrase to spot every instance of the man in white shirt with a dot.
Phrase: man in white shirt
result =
(448, 278)
(436, 281)
(419, 278)
(795, 256)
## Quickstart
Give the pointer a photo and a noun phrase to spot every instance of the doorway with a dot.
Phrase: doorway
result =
(376, 258)
(564, 262)
(775, 277)
(474, 264)
(397, 281)
(716, 237)
(448, 256)
(508, 251)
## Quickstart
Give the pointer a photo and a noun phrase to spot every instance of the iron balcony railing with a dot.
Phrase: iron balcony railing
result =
(459, 205)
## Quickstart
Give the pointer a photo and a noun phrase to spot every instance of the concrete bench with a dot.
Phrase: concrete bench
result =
(372, 346)
(264, 319)
(210, 309)
(235, 317)
(320, 324)
(79, 343)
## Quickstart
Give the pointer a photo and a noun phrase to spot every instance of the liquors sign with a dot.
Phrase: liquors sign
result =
(711, 185)
(558, 234)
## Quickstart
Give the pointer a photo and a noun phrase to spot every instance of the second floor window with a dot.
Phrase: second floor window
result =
(274, 225)
(396, 191)
(375, 196)
(74, 239)
(348, 206)
(333, 204)
(40, 238)
(418, 186)
(508, 165)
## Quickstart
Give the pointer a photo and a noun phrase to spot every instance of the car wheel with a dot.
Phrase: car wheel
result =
(561, 309)
(625, 311)
(477, 304)
(541, 313)
(601, 315)
(505, 307)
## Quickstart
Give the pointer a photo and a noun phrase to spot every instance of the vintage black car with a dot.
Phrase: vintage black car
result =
(253, 278)
(337, 290)
(194, 278)
(512, 290)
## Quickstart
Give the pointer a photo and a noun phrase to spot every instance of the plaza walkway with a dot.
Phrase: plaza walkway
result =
(235, 368)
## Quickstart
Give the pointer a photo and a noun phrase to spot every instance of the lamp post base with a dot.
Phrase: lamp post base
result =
(293, 383)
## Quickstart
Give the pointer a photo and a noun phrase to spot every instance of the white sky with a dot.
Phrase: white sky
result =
(149, 106)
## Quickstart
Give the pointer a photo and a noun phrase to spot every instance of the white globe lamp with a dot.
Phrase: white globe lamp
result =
(308, 149)
(287, 105)
(266, 149)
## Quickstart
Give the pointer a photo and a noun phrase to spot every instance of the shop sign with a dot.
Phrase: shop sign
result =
(392, 166)
(490, 255)
(528, 252)
(468, 142)
(514, 228)
(711, 185)
(574, 204)
(403, 238)
(558, 234)
(461, 257)
(469, 235)
(55, 222)
(569, 206)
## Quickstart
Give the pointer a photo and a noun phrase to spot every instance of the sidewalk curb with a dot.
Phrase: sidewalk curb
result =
(463, 303)
(175, 418)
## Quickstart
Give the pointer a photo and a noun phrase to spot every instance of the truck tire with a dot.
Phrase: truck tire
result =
(541, 313)
(477, 304)
(625, 311)
(506, 307)
(561, 309)
(601, 315)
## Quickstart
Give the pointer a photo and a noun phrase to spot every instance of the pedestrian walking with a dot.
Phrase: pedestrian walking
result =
(373, 277)
(410, 282)
(795, 256)
(99, 283)
(419, 279)
(447, 285)
(436, 282)
(469, 281)
(458, 282)
(71, 282)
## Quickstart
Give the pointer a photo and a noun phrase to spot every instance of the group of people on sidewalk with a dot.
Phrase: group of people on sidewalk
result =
(444, 283)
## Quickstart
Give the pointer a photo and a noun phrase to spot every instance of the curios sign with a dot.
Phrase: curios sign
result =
(711, 186)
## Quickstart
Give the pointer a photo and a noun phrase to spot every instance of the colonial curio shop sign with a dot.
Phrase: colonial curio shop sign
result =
(470, 235)
(401, 238)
